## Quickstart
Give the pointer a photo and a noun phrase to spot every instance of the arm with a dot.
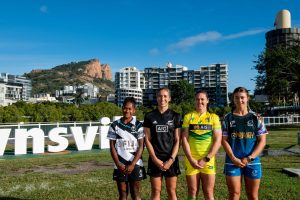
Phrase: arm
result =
(217, 137)
(261, 142)
(236, 161)
(150, 149)
(115, 157)
(186, 148)
(174, 153)
(137, 156)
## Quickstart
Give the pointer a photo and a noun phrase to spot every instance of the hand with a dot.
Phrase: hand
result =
(195, 164)
(167, 164)
(122, 168)
(237, 162)
(159, 164)
(245, 160)
(201, 163)
(129, 168)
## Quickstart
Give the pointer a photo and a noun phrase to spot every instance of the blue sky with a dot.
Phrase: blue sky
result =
(41, 34)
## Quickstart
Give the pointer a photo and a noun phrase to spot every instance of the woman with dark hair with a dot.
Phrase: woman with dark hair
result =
(126, 140)
(162, 137)
(244, 138)
(201, 140)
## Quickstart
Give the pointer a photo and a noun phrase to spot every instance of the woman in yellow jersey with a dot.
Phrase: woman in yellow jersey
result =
(201, 139)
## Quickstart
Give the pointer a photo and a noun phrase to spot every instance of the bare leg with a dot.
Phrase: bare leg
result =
(135, 190)
(171, 187)
(123, 190)
(193, 183)
(252, 187)
(155, 187)
(208, 185)
(234, 187)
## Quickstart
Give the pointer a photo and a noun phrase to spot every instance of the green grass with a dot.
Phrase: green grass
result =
(282, 137)
(64, 176)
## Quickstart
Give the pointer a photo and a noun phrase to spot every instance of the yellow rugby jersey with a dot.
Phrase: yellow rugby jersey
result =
(201, 129)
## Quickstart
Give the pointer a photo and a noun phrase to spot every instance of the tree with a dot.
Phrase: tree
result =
(79, 98)
(181, 91)
(279, 73)
(11, 114)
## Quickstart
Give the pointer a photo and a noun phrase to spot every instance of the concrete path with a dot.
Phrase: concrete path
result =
(292, 171)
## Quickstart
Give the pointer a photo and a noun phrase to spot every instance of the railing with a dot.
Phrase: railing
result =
(83, 133)
(46, 127)
(281, 120)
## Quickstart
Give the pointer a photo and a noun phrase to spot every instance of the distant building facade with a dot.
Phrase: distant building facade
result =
(212, 78)
(129, 82)
(111, 98)
(42, 97)
(14, 88)
(87, 90)
(143, 85)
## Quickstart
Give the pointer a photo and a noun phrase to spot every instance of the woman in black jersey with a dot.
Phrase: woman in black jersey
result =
(162, 137)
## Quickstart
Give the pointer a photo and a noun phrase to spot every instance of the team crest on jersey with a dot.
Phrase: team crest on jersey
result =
(232, 124)
(250, 123)
(207, 119)
(133, 129)
(162, 128)
(170, 123)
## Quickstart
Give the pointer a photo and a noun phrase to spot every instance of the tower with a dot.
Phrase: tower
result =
(284, 33)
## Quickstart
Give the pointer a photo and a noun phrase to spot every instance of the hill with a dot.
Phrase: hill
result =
(74, 73)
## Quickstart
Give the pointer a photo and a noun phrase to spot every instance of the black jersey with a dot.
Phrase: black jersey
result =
(162, 129)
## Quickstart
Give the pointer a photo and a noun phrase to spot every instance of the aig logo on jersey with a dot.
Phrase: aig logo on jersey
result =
(162, 128)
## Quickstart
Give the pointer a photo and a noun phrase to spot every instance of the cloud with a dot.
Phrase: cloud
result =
(211, 36)
(244, 34)
(44, 9)
(154, 52)
(194, 40)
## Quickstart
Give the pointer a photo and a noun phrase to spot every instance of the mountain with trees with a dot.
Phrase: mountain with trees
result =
(74, 73)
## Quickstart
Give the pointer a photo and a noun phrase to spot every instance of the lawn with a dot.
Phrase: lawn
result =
(88, 175)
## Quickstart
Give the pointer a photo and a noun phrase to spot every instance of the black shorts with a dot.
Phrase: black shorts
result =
(137, 174)
(154, 171)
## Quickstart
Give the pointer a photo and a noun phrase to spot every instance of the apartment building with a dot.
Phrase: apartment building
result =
(14, 88)
(212, 78)
(129, 82)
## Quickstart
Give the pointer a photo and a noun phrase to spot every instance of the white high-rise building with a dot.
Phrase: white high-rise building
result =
(130, 82)
(14, 88)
